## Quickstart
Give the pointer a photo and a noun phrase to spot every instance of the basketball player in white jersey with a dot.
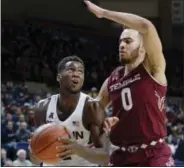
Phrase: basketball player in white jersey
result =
(72, 109)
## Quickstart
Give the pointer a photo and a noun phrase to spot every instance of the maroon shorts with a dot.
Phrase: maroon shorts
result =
(150, 157)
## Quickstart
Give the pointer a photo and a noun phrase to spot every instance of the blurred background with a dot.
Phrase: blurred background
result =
(37, 34)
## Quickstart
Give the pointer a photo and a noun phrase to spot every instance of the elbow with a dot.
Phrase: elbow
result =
(147, 26)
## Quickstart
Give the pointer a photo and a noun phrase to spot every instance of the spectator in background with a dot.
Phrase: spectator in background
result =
(8, 163)
(93, 92)
(180, 151)
(8, 134)
(21, 159)
(22, 134)
(3, 156)
(9, 117)
(171, 145)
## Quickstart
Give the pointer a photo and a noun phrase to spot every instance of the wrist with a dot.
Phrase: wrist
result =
(81, 151)
(104, 13)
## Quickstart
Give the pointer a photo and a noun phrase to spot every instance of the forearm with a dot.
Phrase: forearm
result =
(95, 155)
(130, 20)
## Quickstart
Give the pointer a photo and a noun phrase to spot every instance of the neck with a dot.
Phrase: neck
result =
(67, 101)
(135, 64)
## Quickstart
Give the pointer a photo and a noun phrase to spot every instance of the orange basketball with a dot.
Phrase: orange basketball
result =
(44, 142)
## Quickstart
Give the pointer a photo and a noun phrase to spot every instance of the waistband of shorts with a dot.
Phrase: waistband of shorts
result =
(143, 146)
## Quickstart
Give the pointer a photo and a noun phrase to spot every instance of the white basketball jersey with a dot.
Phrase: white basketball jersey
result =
(74, 125)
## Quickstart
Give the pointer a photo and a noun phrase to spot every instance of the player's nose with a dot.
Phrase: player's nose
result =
(122, 47)
(75, 74)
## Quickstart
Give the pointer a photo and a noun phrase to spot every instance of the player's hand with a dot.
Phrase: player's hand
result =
(69, 147)
(109, 123)
(98, 11)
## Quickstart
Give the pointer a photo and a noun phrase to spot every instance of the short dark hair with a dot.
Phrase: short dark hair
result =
(62, 63)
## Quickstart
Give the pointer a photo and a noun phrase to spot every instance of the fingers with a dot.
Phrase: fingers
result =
(94, 104)
(64, 154)
(64, 140)
(108, 123)
(113, 121)
(64, 147)
(86, 2)
(106, 127)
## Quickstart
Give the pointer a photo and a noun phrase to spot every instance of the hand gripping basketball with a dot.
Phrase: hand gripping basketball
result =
(69, 147)
(44, 142)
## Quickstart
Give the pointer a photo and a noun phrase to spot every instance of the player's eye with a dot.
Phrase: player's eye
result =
(70, 70)
(81, 71)
(128, 41)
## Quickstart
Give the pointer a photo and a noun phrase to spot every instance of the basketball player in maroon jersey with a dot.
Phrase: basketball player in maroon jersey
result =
(136, 90)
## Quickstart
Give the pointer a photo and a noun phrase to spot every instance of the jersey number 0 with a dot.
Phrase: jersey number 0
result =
(126, 98)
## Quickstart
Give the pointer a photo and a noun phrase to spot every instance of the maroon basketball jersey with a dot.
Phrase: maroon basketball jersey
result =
(139, 103)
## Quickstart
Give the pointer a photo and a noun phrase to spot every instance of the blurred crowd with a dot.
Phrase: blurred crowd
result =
(31, 51)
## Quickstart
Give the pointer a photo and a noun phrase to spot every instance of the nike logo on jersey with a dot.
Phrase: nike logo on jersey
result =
(124, 83)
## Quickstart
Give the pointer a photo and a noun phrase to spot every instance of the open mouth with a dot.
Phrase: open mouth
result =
(75, 81)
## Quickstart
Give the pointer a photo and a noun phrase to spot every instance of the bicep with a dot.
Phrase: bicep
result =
(152, 44)
(103, 95)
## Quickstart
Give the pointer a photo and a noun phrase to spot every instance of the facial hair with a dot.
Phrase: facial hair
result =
(132, 58)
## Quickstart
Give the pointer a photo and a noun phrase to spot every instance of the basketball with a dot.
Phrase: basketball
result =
(44, 142)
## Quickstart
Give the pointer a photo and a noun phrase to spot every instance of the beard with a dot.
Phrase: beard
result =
(134, 55)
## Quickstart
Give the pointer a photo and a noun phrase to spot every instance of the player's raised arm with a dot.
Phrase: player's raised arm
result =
(155, 61)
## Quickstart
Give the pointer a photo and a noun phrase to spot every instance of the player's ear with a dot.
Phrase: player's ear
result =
(141, 50)
(58, 77)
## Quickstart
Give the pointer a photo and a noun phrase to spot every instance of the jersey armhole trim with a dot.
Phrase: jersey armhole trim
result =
(165, 85)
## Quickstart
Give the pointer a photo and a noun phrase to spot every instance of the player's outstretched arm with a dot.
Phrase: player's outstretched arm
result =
(103, 95)
(155, 61)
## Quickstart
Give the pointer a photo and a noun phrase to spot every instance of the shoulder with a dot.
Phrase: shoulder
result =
(40, 110)
(117, 70)
(115, 74)
(42, 104)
